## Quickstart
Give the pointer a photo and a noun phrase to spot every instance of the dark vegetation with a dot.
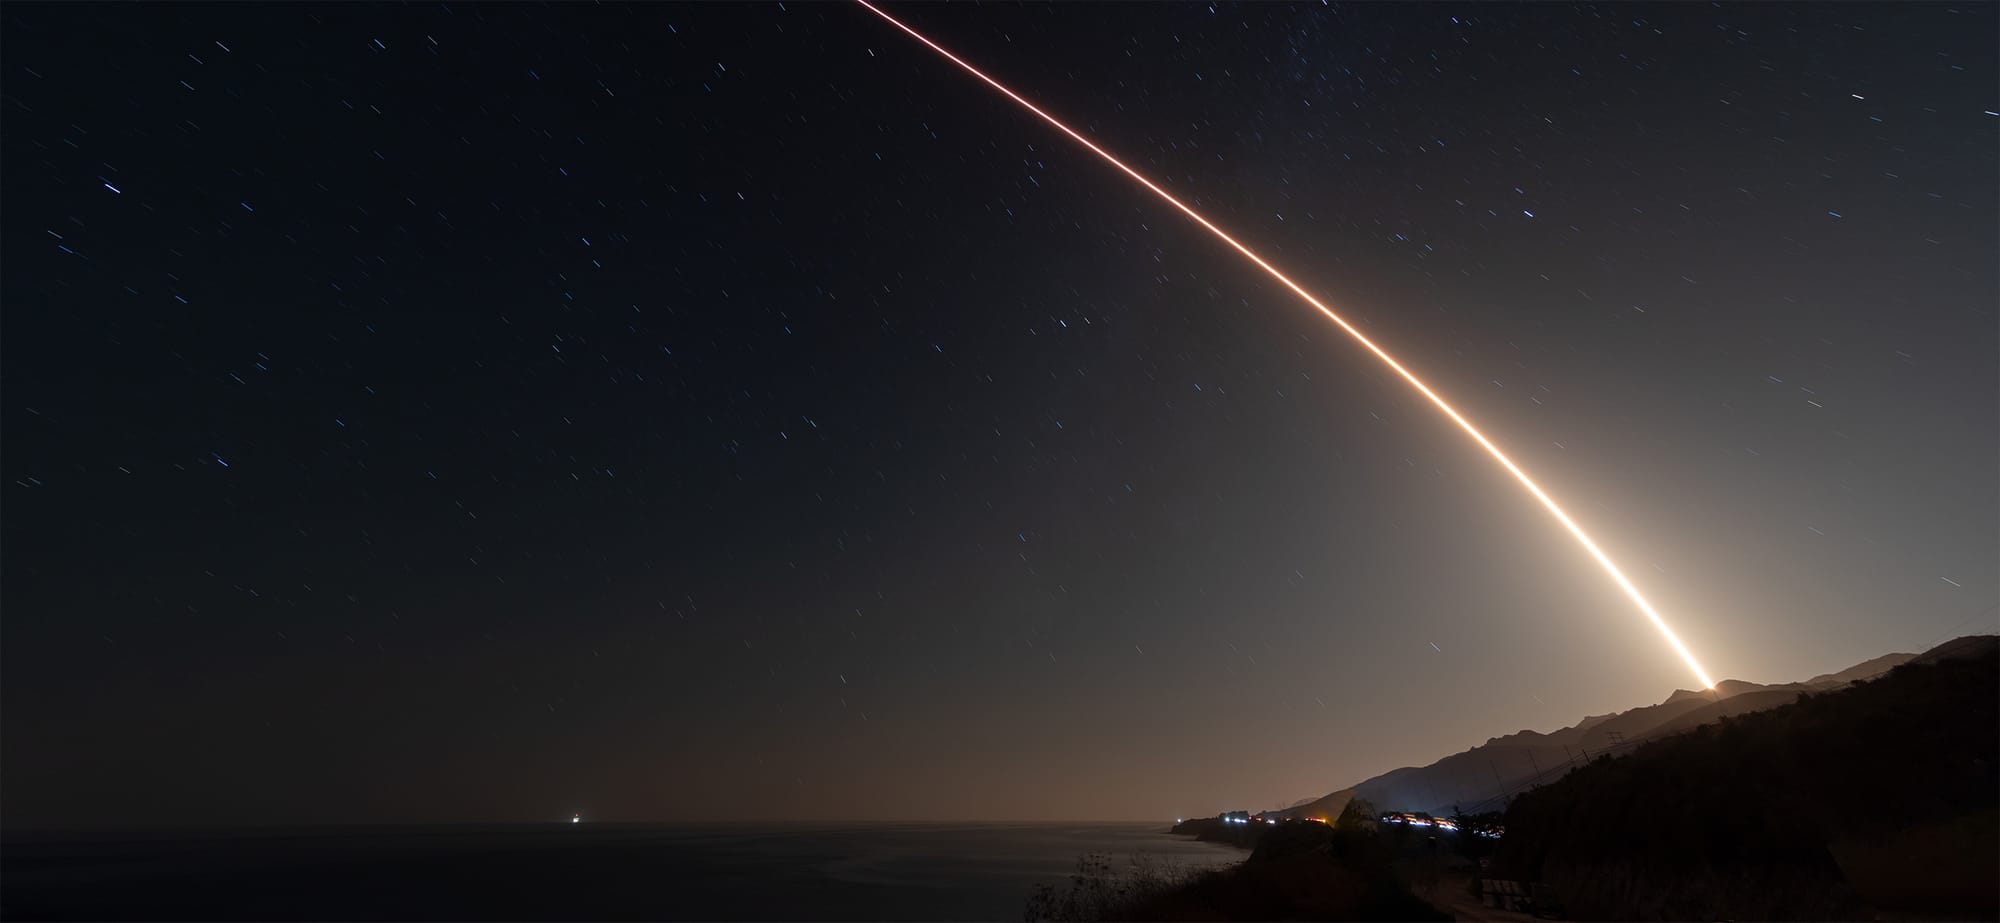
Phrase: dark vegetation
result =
(1101, 891)
(1298, 870)
(1477, 833)
(1880, 799)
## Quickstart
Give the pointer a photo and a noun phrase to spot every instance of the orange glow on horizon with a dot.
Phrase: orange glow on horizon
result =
(1575, 530)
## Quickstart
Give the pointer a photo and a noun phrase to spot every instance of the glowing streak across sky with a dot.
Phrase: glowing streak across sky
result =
(1470, 430)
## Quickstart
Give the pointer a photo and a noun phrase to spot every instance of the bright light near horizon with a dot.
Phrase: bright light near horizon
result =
(1575, 530)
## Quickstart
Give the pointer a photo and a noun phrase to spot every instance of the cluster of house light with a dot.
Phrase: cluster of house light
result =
(1387, 818)
(1437, 822)
(1228, 819)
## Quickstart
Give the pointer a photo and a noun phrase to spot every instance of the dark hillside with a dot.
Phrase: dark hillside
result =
(1486, 774)
(1882, 796)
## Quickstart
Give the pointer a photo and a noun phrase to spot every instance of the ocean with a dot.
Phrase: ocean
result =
(571, 872)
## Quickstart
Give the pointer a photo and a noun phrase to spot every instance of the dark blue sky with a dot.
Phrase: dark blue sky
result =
(483, 413)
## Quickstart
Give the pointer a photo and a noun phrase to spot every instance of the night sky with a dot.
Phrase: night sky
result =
(487, 413)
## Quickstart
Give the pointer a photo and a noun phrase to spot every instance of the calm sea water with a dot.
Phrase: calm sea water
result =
(570, 872)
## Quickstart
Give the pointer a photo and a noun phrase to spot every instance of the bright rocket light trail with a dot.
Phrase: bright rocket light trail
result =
(1582, 538)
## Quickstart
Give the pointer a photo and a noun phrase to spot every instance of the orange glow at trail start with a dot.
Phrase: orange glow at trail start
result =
(1575, 530)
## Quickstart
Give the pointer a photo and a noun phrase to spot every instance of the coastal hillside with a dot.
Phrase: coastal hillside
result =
(1880, 799)
(1325, 807)
(1481, 777)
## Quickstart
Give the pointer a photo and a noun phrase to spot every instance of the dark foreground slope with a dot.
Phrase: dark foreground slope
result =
(1297, 870)
(1481, 777)
(1880, 798)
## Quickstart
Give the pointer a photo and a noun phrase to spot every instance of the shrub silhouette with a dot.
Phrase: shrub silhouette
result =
(1299, 871)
